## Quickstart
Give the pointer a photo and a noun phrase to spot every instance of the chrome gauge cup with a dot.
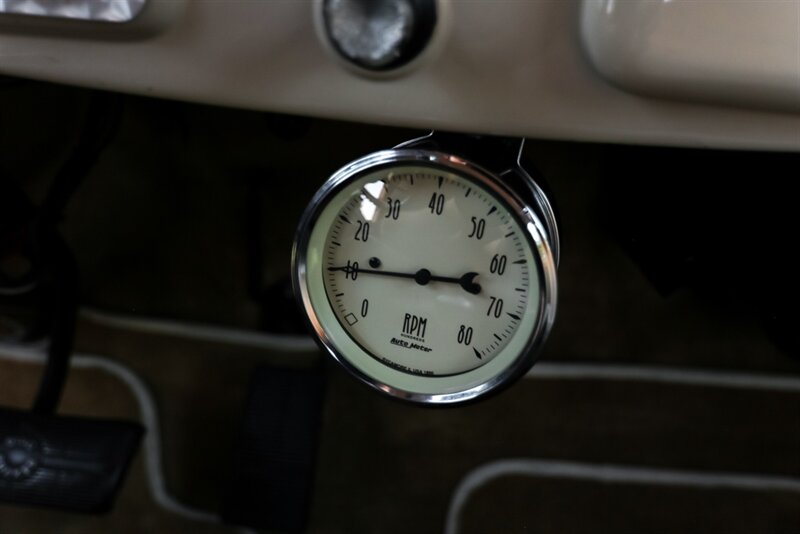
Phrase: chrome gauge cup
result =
(426, 275)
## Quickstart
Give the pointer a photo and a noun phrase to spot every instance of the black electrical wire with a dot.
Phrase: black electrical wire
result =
(51, 251)
(64, 307)
(102, 121)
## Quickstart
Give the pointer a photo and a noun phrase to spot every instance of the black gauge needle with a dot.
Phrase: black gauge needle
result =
(422, 277)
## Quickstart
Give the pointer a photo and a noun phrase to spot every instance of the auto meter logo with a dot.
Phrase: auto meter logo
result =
(414, 327)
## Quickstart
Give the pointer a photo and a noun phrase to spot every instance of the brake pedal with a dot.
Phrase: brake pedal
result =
(69, 463)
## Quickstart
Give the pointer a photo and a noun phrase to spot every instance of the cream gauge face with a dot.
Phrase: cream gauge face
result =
(422, 276)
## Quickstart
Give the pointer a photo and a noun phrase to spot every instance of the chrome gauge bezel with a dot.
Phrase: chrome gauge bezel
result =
(431, 390)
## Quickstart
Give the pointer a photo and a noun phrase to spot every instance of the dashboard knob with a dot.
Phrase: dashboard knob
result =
(379, 35)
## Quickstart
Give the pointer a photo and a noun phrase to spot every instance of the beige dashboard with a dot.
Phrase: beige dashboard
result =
(536, 68)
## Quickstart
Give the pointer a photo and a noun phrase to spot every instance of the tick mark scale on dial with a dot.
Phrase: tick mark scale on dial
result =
(497, 337)
(469, 190)
(494, 208)
(441, 179)
(519, 289)
(478, 354)
(519, 262)
(339, 294)
(509, 234)
(336, 243)
(514, 316)
(345, 219)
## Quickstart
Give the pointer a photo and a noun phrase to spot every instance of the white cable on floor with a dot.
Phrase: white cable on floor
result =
(149, 417)
(565, 371)
(607, 474)
(201, 332)
(666, 375)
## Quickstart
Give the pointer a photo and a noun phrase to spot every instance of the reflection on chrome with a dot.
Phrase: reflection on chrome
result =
(535, 230)
(368, 209)
(372, 194)
(376, 189)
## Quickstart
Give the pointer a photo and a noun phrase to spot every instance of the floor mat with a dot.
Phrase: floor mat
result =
(389, 467)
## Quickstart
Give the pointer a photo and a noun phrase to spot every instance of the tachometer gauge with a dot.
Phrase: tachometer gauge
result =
(426, 275)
